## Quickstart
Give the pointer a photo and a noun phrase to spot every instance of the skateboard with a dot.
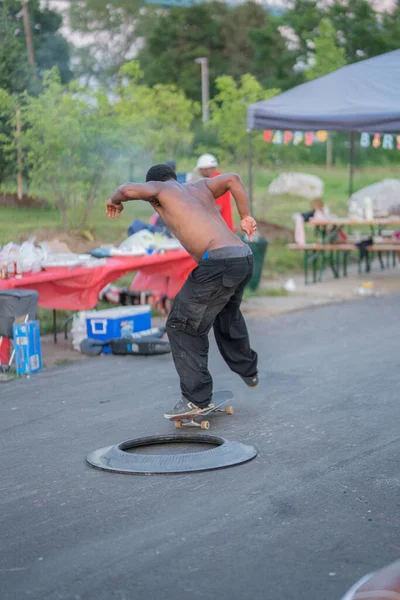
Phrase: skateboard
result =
(220, 398)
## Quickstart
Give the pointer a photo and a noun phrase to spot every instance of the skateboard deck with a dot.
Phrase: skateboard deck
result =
(220, 399)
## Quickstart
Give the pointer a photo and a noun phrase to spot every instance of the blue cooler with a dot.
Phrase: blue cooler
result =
(117, 323)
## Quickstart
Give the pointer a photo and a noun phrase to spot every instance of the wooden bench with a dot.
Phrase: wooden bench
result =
(392, 250)
(333, 253)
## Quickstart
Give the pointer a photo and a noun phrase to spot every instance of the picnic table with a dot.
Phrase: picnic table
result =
(329, 251)
(329, 227)
(343, 221)
(78, 288)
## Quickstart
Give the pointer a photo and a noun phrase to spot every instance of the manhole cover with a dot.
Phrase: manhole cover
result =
(168, 454)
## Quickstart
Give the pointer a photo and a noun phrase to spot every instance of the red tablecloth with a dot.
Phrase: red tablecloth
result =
(78, 288)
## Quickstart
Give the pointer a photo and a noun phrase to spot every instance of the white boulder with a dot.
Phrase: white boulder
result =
(297, 184)
(384, 196)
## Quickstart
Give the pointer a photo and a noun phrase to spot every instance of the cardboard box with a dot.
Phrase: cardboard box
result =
(28, 353)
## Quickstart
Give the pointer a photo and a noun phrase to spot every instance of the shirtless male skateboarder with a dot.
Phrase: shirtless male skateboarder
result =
(213, 292)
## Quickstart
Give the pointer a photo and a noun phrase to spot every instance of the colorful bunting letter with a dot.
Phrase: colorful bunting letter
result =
(268, 135)
(298, 138)
(376, 142)
(308, 138)
(287, 137)
(365, 141)
(387, 143)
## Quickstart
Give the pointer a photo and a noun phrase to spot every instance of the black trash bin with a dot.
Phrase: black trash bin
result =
(259, 249)
(13, 304)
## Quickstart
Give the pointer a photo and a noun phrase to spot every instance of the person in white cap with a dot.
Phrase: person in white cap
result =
(207, 167)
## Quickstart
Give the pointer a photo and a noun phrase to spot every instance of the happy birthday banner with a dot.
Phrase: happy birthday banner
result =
(387, 141)
(296, 138)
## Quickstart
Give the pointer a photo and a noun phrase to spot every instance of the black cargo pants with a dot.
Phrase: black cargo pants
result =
(210, 297)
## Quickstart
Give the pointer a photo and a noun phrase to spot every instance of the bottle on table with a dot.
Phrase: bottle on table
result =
(368, 209)
(3, 270)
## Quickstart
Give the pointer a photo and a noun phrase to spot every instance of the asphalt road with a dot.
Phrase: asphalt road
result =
(317, 509)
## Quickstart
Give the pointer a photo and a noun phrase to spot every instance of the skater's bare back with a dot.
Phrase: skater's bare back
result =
(190, 211)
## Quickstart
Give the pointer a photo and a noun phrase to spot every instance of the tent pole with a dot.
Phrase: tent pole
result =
(250, 141)
(352, 152)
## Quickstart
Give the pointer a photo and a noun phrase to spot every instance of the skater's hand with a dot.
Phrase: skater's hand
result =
(114, 210)
(249, 226)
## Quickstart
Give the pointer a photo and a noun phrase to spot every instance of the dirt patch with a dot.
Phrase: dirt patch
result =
(60, 354)
(272, 231)
(76, 242)
(11, 201)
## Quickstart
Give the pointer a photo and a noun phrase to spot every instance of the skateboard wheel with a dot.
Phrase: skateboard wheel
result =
(229, 410)
(178, 424)
(205, 425)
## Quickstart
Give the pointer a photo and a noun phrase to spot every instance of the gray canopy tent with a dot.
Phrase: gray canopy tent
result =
(363, 96)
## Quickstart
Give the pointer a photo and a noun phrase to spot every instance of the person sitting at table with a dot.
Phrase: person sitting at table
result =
(316, 209)
(317, 206)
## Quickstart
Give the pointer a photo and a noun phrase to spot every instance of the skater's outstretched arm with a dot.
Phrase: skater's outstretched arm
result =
(131, 191)
(232, 183)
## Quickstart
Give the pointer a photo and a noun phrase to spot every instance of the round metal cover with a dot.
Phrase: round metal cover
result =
(117, 459)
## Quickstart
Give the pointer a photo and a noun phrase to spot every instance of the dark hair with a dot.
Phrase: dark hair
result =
(160, 173)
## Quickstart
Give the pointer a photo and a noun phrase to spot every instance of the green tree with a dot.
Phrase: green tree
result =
(179, 37)
(362, 30)
(225, 34)
(155, 120)
(14, 72)
(11, 150)
(71, 141)
(274, 60)
(8, 149)
(391, 27)
(75, 140)
(113, 29)
(229, 113)
(238, 48)
(327, 55)
(303, 18)
(50, 48)
(102, 15)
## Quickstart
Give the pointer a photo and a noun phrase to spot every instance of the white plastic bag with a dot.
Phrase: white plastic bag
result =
(141, 239)
(290, 285)
(78, 329)
(31, 257)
